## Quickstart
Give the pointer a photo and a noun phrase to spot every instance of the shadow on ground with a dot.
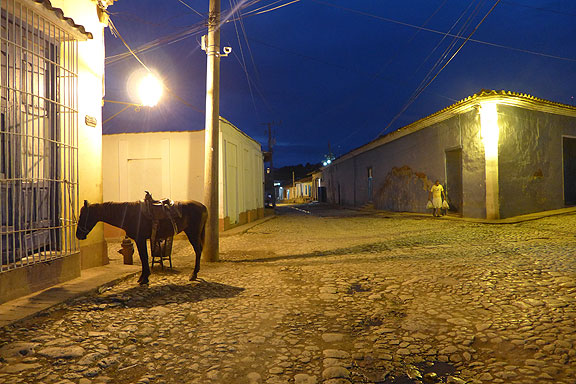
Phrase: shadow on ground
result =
(370, 248)
(148, 297)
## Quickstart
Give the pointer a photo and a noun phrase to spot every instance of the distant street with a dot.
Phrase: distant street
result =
(322, 295)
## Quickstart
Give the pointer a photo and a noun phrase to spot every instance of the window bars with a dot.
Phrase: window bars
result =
(38, 138)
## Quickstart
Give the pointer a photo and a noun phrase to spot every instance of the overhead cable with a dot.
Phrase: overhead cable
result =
(116, 33)
(195, 29)
(189, 7)
(440, 32)
(421, 88)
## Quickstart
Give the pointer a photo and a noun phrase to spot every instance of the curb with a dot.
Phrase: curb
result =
(241, 229)
(29, 306)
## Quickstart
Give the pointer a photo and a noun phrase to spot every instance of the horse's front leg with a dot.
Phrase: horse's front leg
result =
(143, 252)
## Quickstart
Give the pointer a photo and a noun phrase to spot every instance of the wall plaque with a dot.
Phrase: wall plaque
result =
(90, 121)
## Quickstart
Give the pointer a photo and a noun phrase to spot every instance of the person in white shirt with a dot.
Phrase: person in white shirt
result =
(437, 194)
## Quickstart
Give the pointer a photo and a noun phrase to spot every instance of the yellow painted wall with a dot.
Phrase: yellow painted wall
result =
(93, 251)
(91, 55)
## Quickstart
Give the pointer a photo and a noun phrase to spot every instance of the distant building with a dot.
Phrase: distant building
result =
(498, 154)
(300, 191)
(171, 164)
(52, 67)
(318, 188)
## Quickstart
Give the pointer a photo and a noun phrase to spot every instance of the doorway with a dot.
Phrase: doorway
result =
(454, 179)
(569, 162)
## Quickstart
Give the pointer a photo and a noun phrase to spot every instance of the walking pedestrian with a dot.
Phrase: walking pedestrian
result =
(436, 194)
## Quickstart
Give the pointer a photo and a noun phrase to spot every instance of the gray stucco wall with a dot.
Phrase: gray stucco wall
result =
(530, 160)
(405, 169)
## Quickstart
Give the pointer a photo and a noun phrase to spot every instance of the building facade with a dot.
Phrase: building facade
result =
(299, 191)
(171, 164)
(498, 154)
(51, 74)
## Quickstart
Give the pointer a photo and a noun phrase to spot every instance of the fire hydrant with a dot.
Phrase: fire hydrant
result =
(127, 250)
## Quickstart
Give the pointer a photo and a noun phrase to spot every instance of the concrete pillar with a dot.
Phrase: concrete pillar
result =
(490, 132)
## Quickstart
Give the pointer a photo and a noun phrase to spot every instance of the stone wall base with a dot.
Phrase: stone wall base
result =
(24, 281)
(94, 255)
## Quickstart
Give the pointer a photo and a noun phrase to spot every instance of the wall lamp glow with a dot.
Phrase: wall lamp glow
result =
(489, 122)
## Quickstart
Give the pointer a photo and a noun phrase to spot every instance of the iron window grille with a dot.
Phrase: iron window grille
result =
(38, 138)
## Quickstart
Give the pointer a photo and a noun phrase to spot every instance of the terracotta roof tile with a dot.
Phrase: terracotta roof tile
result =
(60, 14)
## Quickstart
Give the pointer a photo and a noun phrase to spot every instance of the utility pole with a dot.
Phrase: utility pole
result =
(212, 133)
(271, 162)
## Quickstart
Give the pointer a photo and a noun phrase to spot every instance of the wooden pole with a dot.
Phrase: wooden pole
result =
(212, 134)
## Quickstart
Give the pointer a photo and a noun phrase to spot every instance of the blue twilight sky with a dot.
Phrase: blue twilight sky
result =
(337, 72)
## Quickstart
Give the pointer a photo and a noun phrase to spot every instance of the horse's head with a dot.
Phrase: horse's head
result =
(85, 222)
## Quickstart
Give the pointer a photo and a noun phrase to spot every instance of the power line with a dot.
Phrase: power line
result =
(189, 7)
(243, 62)
(118, 35)
(278, 7)
(452, 44)
(445, 37)
(197, 28)
(359, 93)
(421, 88)
(539, 8)
(440, 32)
(190, 31)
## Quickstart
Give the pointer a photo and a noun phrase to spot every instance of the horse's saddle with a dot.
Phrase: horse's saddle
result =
(163, 209)
(157, 210)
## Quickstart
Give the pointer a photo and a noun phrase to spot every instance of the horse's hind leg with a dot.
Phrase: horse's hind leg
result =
(143, 252)
(197, 242)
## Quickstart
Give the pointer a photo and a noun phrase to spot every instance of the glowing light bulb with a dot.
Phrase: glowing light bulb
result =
(150, 90)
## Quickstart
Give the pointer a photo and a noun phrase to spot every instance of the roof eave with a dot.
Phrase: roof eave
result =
(463, 106)
(56, 16)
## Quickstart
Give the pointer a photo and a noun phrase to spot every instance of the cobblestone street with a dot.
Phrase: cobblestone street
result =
(319, 295)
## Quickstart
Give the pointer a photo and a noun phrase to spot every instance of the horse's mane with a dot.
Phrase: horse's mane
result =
(112, 206)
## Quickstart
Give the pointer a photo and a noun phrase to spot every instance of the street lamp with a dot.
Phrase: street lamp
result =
(149, 90)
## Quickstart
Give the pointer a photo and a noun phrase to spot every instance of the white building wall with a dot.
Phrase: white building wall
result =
(171, 164)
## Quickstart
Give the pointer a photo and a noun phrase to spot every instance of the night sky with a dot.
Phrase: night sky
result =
(337, 72)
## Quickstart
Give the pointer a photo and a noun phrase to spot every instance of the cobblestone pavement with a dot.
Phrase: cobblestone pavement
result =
(331, 296)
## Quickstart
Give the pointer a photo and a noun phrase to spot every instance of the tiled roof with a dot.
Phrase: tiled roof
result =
(489, 92)
(58, 12)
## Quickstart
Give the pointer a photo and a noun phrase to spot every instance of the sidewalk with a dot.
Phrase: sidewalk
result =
(509, 220)
(90, 280)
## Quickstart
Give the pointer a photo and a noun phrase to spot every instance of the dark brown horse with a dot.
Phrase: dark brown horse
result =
(132, 219)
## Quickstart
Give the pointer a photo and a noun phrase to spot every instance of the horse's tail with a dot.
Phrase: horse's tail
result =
(203, 225)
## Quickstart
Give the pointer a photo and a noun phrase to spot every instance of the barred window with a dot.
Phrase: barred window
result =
(38, 137)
